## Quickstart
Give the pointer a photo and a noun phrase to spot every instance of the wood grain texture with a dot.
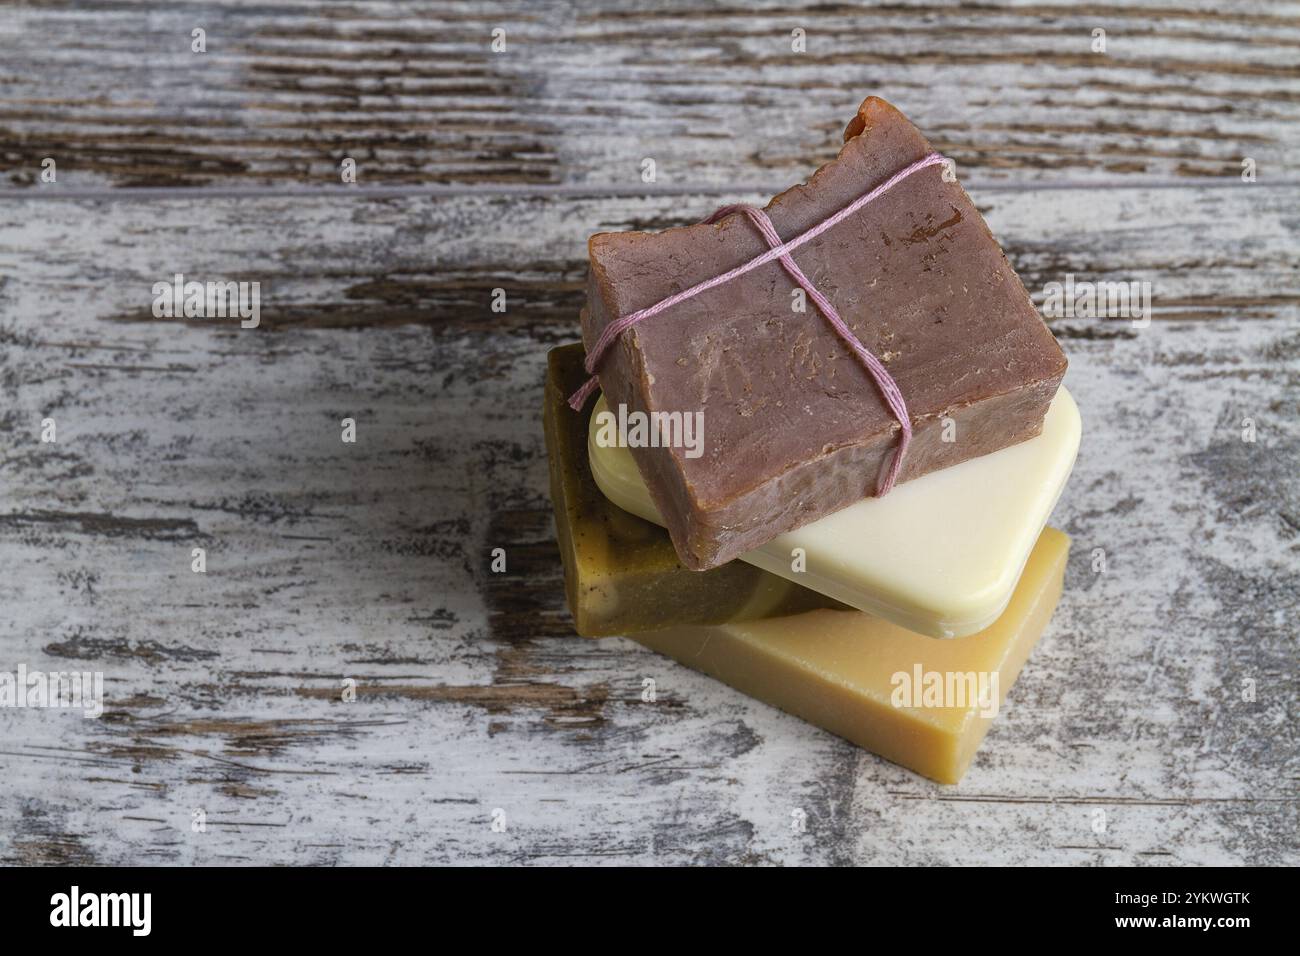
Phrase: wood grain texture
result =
(584, 92)
(370, 561)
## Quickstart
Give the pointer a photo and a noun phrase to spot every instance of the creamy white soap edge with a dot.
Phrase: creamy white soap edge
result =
(939, 555)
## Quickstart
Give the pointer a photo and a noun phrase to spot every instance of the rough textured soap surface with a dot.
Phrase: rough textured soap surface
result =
(794, 427)
(939, 555)
(621, 573)
(835, 668)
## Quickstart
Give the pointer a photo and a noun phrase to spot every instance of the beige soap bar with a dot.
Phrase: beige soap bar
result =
(873, 682)
(940, 555)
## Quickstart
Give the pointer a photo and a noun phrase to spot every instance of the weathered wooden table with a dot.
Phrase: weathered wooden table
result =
(1131, 736)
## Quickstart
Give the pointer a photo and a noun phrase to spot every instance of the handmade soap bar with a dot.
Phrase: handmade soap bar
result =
(620, 571)
(939, 555)
(794, 427)
(921, 703)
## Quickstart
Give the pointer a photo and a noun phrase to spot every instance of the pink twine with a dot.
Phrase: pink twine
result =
(781, 251)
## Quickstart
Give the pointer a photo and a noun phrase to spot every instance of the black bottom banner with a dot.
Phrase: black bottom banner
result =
(306, 905)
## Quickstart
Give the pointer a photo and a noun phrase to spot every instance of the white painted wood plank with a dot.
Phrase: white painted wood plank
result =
(582, 94)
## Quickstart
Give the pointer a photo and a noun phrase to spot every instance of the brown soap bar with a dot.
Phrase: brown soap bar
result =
(621, 573)
(794, 428)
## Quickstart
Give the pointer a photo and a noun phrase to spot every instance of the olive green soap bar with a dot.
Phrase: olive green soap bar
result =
(621, 573)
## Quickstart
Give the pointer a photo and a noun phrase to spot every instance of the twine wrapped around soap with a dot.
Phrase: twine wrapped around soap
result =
(779, 250)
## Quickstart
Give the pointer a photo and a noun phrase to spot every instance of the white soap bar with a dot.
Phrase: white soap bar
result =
(939, 555)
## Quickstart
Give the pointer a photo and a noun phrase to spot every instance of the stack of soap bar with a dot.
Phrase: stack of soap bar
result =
(939, 555)
(621, 573)
(794, 427)
(789, 435)
(848, 672)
